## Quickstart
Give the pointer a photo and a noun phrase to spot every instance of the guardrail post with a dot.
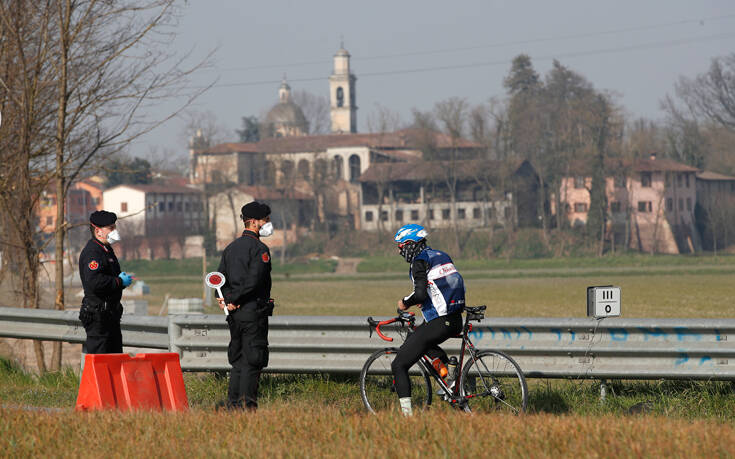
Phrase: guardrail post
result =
(603, 391)
(174, 331)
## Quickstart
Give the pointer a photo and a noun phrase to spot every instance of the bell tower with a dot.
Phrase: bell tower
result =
(342, 95)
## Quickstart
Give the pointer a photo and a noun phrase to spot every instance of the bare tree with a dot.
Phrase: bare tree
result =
(383, 120)
(711, 95)
(719, 218)
(315, 109)
(25, 141)
(102, 63)
(204, 125)
(452, 114)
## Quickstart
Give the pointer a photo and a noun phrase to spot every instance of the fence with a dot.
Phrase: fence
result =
(612, 348)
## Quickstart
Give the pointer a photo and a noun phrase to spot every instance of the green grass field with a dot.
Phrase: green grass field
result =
(378, 264)
(677, 295)
(658, 286)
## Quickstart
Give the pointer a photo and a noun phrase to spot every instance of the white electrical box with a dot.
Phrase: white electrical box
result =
(603, 301)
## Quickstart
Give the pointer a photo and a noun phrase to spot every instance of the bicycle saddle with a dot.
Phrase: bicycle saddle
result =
(475, 309)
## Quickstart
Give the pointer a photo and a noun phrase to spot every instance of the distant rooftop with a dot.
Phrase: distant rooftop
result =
(714, 176)
(401, 140)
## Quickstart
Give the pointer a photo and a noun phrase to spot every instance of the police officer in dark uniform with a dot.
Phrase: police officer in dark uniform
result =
(103, 283)
(246, 264)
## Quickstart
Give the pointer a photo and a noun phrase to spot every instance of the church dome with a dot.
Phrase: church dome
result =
(286, 118)
(286, 113)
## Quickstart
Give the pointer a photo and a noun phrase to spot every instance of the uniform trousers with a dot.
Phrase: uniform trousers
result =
(103, 330)
(247, 353)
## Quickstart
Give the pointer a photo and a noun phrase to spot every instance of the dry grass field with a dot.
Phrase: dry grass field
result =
(304, 430)
(312, 416)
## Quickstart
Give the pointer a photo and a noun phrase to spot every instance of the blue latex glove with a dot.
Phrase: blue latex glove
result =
(126, 279)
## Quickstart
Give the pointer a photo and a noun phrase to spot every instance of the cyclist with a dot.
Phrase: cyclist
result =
(439, 290)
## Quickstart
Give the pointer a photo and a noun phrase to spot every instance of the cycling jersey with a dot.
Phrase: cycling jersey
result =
(444, 291)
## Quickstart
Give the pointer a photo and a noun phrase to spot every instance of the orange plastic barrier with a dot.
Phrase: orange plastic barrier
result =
(145, 381)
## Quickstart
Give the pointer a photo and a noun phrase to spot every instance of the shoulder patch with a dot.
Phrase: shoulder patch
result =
(266, 258)
(93, 265)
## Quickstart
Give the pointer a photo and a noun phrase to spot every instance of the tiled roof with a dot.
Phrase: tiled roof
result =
(174, 189)
(707, 175)
(613, 165)
(404, 139)
(433, 170)
(654, 165)
(401, 155)
(232, 147)
(264, 193)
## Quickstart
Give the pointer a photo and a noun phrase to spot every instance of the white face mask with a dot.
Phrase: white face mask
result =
(113, 237)
(266, 230)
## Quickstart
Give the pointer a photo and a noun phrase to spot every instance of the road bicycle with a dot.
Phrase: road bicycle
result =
(488, 381)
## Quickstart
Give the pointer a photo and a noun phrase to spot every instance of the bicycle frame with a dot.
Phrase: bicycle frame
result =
(408, 318)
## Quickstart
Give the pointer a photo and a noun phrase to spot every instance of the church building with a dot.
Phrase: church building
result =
(329, 167)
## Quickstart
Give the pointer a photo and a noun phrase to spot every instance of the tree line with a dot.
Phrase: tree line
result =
(563, 124)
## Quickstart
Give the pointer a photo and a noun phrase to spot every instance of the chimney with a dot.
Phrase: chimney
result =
(653, 156)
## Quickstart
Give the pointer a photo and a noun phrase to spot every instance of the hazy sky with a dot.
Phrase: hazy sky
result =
(409, 54)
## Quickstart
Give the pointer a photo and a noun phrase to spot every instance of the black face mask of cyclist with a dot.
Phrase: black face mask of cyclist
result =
(410, 249)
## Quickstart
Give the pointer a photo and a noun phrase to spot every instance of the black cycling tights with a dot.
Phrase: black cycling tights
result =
(426, 339)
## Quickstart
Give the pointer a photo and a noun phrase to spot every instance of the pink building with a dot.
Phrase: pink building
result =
(650, 204)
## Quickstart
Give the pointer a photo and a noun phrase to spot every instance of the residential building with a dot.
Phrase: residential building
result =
(650, 203)
(290, 212)
(714, 184)
(440, 194)
(157, 221)
(82, 198)
(715, 211)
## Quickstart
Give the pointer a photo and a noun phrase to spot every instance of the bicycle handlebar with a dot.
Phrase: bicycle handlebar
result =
(404, 317)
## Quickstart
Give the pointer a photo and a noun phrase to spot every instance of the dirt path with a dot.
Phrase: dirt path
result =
(347, 265)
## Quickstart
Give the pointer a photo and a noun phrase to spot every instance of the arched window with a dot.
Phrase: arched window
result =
(304, 169)
(287, 168)
(354, 168)
(338, 167)
(270, 172)
(320, 169)
(340, 96)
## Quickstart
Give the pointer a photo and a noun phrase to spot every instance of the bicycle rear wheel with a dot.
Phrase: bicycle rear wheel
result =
(377, 388)
(493, 381)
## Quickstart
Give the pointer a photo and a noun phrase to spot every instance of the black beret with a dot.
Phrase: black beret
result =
(102, 218)
(256, 210)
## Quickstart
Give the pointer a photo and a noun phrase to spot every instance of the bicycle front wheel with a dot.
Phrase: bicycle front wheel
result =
(378, 389)
(493, 381)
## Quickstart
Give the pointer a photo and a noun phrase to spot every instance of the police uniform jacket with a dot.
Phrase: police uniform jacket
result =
(246, 264)
(99, 270)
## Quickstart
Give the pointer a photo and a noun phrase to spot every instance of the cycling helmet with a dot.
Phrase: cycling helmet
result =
(410, 232)
(411, 240)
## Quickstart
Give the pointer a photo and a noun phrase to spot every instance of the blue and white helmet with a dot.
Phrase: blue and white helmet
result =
(410, 232)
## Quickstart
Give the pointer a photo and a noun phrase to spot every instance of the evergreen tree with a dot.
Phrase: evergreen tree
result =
(124, 171)
(250, 131)
(522, 77)
(597, 215)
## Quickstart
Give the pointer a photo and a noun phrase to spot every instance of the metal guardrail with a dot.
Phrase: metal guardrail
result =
(611, 348)
(51, 325)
